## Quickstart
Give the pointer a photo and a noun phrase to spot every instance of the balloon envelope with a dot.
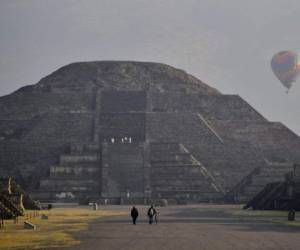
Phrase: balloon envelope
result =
(286, 66)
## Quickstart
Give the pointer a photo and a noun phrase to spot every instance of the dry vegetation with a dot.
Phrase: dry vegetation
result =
(239, 212)
(56, 231)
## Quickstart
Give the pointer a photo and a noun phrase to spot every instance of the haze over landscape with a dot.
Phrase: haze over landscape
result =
(227, 44)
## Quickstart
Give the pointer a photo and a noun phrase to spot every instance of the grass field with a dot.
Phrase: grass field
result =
(56, 231)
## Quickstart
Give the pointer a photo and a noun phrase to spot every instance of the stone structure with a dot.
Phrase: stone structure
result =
(77, 175)
(29, 225)
(280, 195)
(11, 201)
(131, 131)
(254, 182)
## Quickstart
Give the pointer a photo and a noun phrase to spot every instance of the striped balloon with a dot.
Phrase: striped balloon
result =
(286, 66)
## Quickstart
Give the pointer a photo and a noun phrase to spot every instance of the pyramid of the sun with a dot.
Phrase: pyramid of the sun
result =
(135, 131)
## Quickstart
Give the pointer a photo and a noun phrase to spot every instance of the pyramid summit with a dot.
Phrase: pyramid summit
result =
(122, 75)
(138, 131)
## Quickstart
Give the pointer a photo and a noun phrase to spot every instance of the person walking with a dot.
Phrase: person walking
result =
(134, 215)
(151, 213)
(156, 217)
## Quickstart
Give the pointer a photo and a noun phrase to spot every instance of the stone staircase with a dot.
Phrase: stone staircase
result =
(11, 204)
(255, 182)
(177, 175)
(266, 198)
(77, 175)
(279, 195)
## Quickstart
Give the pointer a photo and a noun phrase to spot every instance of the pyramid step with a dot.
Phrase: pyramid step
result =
(73, 170)
(71, 159)
(84, 148)
(173, 157)
(175, 165)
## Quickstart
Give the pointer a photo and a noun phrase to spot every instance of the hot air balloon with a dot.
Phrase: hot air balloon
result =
(286, 66)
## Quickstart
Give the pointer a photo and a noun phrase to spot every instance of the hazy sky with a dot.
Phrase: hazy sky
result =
(226, 43)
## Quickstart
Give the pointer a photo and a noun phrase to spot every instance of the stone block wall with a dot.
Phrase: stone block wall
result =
(82, 171)
(34, 104)
(63, 126)
(273, 139)
(128, 101)
(229, 107)
(182, 127)
(176, 175)
(15, 129)
(220, 107)
(123, 170)
(76, 177)
(32, 152)
(27, 161)
(228, 162)
(117, 126)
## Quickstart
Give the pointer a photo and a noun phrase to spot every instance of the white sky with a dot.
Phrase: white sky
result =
(226, 43)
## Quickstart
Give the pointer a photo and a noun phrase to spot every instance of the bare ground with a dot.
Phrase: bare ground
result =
(189, 227)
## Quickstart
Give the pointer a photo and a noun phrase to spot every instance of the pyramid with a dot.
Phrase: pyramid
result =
(119, 131)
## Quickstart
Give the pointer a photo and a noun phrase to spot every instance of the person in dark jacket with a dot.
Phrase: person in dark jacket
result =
(151, 214)
(134, 214)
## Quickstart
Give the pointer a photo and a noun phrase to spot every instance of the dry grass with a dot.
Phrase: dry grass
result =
(257, 213)
(288, 223)
(55, 232)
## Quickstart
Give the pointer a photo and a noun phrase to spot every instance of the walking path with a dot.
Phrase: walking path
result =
(188, 228)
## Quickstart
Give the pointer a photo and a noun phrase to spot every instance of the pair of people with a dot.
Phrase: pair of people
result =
(152, 215)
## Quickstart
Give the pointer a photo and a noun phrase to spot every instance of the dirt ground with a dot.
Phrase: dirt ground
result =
(190, 227)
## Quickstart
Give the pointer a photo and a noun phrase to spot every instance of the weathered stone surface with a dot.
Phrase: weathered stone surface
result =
(84, 77)
(89, 130)
(283, 194)
(29, 225)
(11, 199)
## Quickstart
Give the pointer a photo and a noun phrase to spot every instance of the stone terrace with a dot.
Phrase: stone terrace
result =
(176, 174)
(76, 177)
